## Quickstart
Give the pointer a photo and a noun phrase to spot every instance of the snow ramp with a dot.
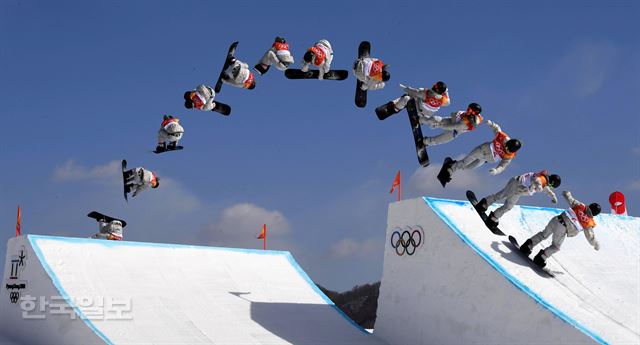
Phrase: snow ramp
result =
(463, 285)
(80, 291)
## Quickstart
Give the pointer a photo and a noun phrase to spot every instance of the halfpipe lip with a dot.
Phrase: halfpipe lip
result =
(518, 284)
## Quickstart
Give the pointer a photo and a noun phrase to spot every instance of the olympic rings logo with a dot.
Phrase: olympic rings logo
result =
(14, 296)
(406, 241)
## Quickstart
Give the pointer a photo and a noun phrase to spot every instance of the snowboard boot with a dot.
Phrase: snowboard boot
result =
(172, 145)
(261, 69)
(161, 147)
(525, 248)
(539, 260)
(482, 205)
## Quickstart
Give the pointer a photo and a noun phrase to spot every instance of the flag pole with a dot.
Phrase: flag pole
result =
(264, 239)
(18, 230)
(399, 185)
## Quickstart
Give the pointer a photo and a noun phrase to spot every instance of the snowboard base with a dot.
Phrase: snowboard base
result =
(222, 108)
(125, 175)
(230, 54)
(102, 217)
(443, 176)
(540, 270)
(385, 110)
(177, 148)
(337, 74)
(421, 150)
(474, 201)
(361, 95)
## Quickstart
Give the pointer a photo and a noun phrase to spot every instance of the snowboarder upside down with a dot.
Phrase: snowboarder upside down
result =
(459, 122)
(200, 98)
(371, 72)
(320, 55)
(578, 217)
(278, 55)
(525, 184)
(139, 179)
(109, 230)
(170, 131)
(239, 75)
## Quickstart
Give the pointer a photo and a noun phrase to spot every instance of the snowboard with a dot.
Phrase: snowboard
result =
(383, 111)
(474, 201)
(222, 108)
(336, 74)
(516, 248)
(361, 95)
(443, 176)
(99, 216)
(421, 150)
(125, 175)
(177, 148)
(230, 55)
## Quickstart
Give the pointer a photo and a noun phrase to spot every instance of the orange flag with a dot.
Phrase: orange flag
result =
(18, 223)
(263, 233)
(263, 236)
(396, 183)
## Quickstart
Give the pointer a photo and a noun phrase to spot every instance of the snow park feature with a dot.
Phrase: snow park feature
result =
(447, 280)
(59, 290)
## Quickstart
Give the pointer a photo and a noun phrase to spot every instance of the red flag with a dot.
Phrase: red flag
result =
(18, 223)
(263, 233)
(396, 183)
(263, 236)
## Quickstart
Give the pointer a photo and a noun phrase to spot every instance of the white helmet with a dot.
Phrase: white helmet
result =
(325, 43)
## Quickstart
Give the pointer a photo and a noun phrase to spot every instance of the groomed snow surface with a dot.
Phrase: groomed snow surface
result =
(465, 285)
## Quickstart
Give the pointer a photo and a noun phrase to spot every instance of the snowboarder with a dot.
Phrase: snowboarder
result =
(139, 179)
(429, 101)
(110, 229)
(200, 98)
(238, 74)
(278, 55)
(459, 122)
(371, 72)
(321, 55)
(171, 131)
(501, 147)
(578, 217)
(525, 184)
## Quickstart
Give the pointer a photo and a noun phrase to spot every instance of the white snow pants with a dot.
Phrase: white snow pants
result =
(477, 157)
(559, 232)
(511, 193)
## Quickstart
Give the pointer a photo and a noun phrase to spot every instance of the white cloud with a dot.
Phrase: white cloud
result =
(348, 247)
(71, 172)
(584, 69)
(240, 224)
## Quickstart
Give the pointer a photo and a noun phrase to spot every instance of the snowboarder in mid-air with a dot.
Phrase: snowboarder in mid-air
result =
(139, 179)
(320, 55)
(578, 217)
(170, 131)
(371, 72)
(502, 148)
(525, 184)
(429, 101)
(238, 74)
(459, 122)
(278, 55)
(202, 98)
(110, 228)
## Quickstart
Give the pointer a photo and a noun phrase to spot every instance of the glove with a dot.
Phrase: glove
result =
(566, 193)
(493, 171)
(596, 246)
(489, 123)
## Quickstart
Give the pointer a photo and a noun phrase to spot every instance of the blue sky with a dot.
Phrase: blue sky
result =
(85, 84)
